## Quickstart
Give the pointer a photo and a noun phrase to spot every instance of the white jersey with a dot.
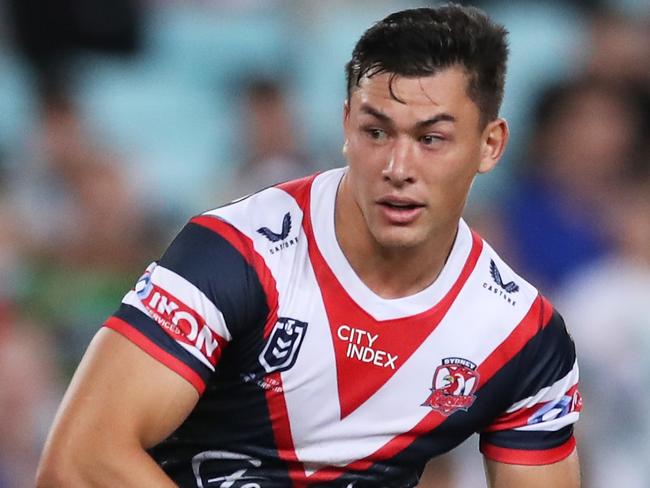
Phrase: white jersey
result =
(307, 377)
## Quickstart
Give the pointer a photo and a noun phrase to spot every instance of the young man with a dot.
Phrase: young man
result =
(343, 329)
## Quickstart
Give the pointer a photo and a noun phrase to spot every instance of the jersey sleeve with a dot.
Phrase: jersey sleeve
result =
(186, 308)
(537, 428)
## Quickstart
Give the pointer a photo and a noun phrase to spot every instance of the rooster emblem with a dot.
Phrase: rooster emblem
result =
(453, 386)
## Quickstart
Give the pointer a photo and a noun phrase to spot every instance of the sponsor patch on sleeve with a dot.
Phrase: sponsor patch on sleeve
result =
(183, 323)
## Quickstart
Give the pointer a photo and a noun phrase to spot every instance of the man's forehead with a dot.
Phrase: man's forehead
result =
(438, 88)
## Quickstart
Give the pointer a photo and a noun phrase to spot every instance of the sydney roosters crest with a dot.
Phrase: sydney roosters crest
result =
(454, 384)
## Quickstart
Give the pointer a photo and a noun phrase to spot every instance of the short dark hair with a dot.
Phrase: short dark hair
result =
(422, 41)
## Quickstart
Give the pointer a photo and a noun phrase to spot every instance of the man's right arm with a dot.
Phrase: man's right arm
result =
(120, 402)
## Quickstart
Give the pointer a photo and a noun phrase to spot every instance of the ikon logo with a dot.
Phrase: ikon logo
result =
(183, 324)
(282, 346)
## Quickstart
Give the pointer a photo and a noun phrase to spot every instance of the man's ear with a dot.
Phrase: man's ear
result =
(493, 144)
(346, 113)
(346, 124)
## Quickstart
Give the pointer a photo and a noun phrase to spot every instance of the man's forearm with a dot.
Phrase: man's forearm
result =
(110, 467)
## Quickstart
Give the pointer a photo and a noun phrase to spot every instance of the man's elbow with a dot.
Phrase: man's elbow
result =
(56, 471)
(68, 464)
(48, 477)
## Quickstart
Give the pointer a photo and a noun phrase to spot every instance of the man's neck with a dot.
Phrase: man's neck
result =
(389, 272)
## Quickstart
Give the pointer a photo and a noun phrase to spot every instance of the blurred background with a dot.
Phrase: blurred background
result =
(120, 119)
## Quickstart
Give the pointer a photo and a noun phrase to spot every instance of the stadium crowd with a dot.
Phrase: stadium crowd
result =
(111, 138)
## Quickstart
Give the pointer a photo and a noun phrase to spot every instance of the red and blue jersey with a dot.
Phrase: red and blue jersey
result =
(307, 377)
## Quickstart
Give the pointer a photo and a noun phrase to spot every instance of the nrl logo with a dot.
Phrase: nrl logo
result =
(282, 346)
(454, 384)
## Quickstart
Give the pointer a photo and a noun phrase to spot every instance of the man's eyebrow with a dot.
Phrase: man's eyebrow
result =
(367, 109)
(442, 117)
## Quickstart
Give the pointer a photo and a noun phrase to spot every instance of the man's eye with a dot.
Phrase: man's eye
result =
(430, 139)
(376, 134)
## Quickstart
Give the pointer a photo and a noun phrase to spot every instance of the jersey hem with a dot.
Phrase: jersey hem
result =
(528, 457)
(143, 342)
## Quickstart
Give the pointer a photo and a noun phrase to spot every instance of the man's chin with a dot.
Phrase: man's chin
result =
(398, 239)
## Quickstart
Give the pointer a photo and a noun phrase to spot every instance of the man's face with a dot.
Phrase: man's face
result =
(412, 162)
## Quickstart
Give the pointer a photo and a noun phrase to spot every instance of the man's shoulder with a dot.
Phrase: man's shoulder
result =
(514, 312)
(271, 212)
(498, 284)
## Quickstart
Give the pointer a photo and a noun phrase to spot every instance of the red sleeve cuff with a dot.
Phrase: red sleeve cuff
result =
(151, 348)
(526, 457)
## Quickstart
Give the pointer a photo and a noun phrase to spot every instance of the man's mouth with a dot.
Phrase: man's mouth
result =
(405, 206)
(399, 202)
(400, 211)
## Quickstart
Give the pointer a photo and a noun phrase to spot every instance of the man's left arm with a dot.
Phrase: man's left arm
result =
(531, 444)
(562, 474)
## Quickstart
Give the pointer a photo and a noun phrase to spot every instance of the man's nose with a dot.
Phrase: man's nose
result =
(399, 168)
